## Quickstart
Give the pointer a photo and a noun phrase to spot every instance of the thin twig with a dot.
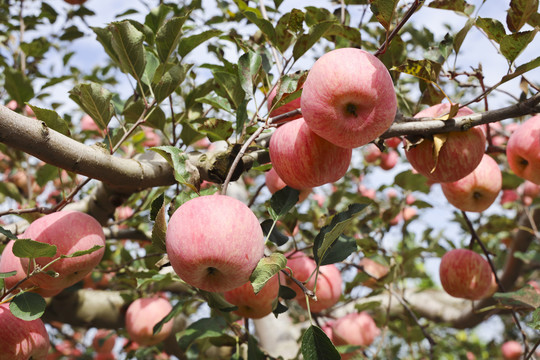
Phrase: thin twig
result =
(306, 291)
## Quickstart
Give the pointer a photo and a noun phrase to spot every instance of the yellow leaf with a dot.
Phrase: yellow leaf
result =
(438, 142)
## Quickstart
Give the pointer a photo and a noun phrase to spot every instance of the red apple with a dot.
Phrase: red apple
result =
(274, 183)
(389, 160)
(20, 339)
(523, 150)
(349, 97)
(141, 317)
(374, 269)
(458, 157)
(12, 105)
(70, 231)
(512, 350)
(9, 262)
(355, 329)
(251, 305)
(478, 190)
(290, 106)
(214, 242)
(88, 124)
(104, 341)
(393, 142)
(509, 196)
(152, 139)
(465, 274)
(304, 160)
(75, 2)
(372, 153)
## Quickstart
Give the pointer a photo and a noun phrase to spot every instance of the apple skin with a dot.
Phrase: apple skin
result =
(374, 269)
(389, 159)
(104, 340)
(141, 316)
(20, 339)
(523, 150)
(70, 231)
(214, 242)
(251, 305)
(349, 97)
(75, 2)
(458, 157)
(478, 190)
(9, 262)
(274, 183)
(328, 282)
(354, 329)
(512, 350)
(465, 274)
(302, 159)
(290, 106)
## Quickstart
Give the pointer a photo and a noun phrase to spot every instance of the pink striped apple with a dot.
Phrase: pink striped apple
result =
(523, 150)
(274, 183)
(349, 97)
(290, 106)
(214, 242)
(251, 305)
(303, 159)
(141, 317)
(354, 329)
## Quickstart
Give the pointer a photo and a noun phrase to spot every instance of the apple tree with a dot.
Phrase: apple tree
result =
(269, 179)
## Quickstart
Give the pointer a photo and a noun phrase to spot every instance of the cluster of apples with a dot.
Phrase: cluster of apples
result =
(69, 231)
(348, 100)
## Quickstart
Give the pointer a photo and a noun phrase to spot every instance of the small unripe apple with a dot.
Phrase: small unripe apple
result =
(251, 305)
(523, 150)
(478, 190)
(355, 329)
(274, 183)
(465, 274)
(290, 106)
(141, 317)
(349, 97)
(20, 339)
(214, 242)
(302, 159)
(459, 155)
(512, 350)
(70, 231)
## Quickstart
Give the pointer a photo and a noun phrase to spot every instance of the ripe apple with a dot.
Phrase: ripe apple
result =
(9, 262)
(354, 329)
(374, 269)
(274, 183)
(509, 196)
(478, 190)
(349, 97)
(389, 160)
(152, 139)
(70, 231)
(329, 282)
(290, 106)
(75, 2)
(214, 242)
(372, 153)
(88, 124)
(20, 339)
(523, 150)
(251, 305)
(12, 105)
(459, 156)
(512, 350)
(393, 142)
(465, 274)
(104, 341)
(303, 159)
(141, 317)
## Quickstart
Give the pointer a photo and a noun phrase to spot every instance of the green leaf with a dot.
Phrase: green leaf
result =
(493, 28)
(217, 102)
(175, 157)
(424, 69)
(254, 352)
(27, 248)
(27, 306)
(286, 292)
(157, 204)
(17, 85)
(104, 36)
(229, 86)
(7, 233)
(176, 310)
(522, 69)
(52, 119)
(279, 309)
(203, 329)
(282, 201)
(188, 43)
(167, 78)
(95, 101)
(168, 36)
(330, 233)
(265, 269)
(276, 236)
(510, 180)
(159, 230)
(306, 41)
(512, 45)
(71, 33)
(460, 36)
(339, 250)
(152, 63)
(127, 43)
(317, 346)
(535, 323)
(217, 301)
(216, 129)
(384, 11)
(524, 298)
(241, 116)
(249, 66)
(407, 180)
(459, 6)
(519, 13)
(157, 17)
(82, 252)
(264, 25)
(287, 27)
